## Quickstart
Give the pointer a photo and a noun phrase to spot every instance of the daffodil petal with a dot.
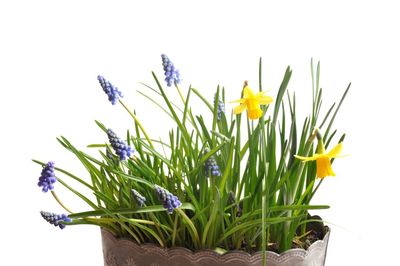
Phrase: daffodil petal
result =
(238, 101)
(265, 100)
(247, 92)
(260, 94)
(239, 109)
(331, 173)
(335, 151)
(342, 155)
(306, 159)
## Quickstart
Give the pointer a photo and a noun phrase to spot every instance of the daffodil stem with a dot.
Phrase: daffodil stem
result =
(316, 188)
(59, 202)
(138, 123)
(292, 193)
(299, 173)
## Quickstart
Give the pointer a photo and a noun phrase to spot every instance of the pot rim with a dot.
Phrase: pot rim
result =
(151, 247)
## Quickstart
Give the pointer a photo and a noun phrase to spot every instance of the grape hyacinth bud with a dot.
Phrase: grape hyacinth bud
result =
(140, 200)
(170, 202)
(220, 107)
(119, 146)
(211, 165)
(109, 154)
(55, 219)
(112, 92)
(47, 177)
(171, 73)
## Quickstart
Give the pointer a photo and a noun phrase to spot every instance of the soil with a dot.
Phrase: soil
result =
(315, 231)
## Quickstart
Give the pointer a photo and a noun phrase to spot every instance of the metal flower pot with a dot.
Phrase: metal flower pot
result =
(123, 252)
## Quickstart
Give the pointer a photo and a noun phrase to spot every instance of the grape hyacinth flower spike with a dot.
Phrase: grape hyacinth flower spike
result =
(47, 177)
(112, 92)
(140, 200)
(220, 107)
(55, 219)
(169, 201)
(211, 166)
(120, 147)
(171, 73)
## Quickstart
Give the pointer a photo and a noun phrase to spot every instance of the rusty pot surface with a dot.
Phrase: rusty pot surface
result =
(124, 252)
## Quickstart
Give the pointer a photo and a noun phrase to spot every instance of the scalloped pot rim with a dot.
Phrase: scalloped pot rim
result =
(112, 247)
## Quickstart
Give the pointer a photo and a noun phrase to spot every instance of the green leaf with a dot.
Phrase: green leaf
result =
(146, 209)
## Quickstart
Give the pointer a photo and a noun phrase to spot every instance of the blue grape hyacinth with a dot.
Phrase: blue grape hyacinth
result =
(47, 177)
(169, 201)
(211, 166)
(120, 147)
(112, 92)
(171, 73)
(140, 200)
(220, 107)
(55, 219)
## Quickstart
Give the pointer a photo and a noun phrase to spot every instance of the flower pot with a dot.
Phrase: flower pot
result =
(124, 252)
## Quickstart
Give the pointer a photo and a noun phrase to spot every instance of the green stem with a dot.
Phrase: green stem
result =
(138, 123)
(157, 225)
(265, 197)
(174, 230)
(265, 189)
(186, 104)
(293, 191)
(192, 227)
(315, 190)
(99, 220)
(180, 92)
(301, 167)
(212, 184)
(59, 202)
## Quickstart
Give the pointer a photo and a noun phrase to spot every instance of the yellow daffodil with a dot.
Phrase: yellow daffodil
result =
(251, 102)
(323, 159)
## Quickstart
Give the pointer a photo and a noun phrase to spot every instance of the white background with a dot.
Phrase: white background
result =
(51, 53)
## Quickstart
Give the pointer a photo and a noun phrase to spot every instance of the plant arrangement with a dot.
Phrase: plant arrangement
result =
(227, 180)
